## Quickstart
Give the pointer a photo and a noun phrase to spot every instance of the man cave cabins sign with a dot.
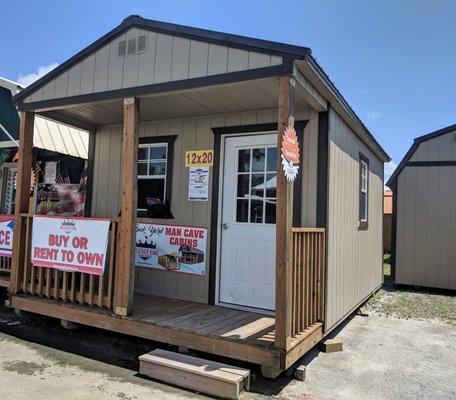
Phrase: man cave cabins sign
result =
(290, 153)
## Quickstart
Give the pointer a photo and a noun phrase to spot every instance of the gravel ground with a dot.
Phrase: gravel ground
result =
(383, 358)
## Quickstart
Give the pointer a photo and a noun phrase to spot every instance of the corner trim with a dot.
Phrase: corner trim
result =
(323, 168)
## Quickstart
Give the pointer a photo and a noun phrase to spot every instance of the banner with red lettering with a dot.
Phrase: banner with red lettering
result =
(171, 247)
(70, 244)
(6, 235)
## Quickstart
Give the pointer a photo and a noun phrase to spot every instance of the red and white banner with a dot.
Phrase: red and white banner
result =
(70, 244)
(6, 235)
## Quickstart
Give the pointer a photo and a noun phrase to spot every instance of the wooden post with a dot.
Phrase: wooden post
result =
(284, 221)
(124, 275)
(23, 175)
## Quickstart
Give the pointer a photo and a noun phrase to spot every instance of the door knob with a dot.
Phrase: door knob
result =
(224, 225)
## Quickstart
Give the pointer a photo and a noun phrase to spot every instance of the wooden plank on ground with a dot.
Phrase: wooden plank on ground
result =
(194, 373)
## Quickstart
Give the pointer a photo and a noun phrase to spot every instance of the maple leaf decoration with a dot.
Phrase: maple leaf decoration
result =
(290, 153)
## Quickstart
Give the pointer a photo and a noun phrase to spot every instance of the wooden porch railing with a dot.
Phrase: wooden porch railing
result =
(308, 277)
(5, 264)
(82, 288)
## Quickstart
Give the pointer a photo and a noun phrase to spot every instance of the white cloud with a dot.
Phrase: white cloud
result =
(27, 79)
(374, 114)
(389, 169)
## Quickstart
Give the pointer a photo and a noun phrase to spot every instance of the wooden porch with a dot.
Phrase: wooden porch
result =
(242, 335)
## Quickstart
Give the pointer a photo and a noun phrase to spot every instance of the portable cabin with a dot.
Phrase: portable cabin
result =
(283, 266)
(424, 212)
(54, 144)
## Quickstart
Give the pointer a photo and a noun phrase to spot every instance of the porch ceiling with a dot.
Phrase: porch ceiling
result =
(218, 99)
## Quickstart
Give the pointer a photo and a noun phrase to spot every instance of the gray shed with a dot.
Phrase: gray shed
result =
(424, 207)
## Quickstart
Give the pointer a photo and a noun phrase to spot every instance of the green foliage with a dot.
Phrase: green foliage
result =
(406, 304)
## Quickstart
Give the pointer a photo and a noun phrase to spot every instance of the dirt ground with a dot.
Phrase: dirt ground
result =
(383, 358)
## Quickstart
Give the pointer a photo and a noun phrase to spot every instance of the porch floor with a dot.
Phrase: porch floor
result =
(242, 335)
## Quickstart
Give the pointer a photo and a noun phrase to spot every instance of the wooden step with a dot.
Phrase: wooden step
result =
(194, 373)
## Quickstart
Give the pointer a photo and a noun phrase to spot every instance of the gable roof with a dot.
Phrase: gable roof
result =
(136, 21)
(288, 52)
(416, 142)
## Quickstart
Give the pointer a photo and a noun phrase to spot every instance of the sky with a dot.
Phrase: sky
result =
(393, 60)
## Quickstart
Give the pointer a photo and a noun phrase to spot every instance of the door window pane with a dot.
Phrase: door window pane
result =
(258, 160)
(256, 211)
(244, 160)
(257, 185)
(243, 185)
(270, 215)
(242, 211)
(271, 185)
(272, 159)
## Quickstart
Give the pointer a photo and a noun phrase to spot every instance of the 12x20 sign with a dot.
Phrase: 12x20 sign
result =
(199, 158)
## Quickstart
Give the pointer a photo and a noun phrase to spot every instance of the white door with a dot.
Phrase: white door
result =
(247, 242)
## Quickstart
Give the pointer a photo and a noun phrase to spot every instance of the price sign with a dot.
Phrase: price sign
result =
(199, 158)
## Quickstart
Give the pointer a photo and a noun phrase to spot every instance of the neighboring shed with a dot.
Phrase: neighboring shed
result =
(387, 219)
(424, 186)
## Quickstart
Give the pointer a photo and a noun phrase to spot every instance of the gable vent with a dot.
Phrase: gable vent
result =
(122, 50)
(132, 46)
(142, 43)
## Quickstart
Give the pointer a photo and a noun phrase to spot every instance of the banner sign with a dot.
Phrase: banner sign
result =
(171, 248)
(70, 244)
(199, 158)
(290, 153)
(64, 199)
(6, 235)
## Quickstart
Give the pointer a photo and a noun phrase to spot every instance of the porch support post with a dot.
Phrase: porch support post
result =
(284, 220)
(124, 276)
(23, 176)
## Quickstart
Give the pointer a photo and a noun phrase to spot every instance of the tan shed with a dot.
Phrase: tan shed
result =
(186, 160)
(424, 205)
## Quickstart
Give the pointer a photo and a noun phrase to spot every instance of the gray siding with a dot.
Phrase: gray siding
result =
(426, 218)
(167, 58)
(354, 262)
(192, 133)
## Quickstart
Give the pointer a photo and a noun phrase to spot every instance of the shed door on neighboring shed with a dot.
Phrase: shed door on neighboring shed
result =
(247, 243)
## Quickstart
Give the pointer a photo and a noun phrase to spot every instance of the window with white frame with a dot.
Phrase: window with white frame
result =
(363, 190)
(152, 171)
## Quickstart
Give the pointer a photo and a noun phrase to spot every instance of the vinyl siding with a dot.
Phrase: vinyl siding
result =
(192, 134)
(354, 263)
(426, 218)
(167, 58)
